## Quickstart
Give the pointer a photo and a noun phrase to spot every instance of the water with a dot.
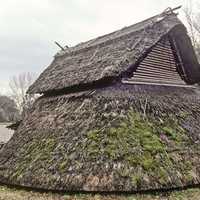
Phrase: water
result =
(5, 134)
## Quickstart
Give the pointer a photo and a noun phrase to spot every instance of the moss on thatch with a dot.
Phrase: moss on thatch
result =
(143, 145)
(119, 138)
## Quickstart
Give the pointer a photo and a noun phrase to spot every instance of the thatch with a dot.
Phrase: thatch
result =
(114, 55)
(119, 138)
(90, 131)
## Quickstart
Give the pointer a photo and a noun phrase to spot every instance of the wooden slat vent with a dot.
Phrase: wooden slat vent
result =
(159, 66)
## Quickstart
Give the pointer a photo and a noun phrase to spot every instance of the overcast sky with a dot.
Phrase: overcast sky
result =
(28, 28)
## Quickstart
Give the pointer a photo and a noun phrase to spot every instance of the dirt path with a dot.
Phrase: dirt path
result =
(16, 194)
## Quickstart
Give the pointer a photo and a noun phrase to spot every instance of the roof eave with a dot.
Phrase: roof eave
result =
(187, 54)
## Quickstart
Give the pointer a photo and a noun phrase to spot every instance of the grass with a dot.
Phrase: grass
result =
(21, 194)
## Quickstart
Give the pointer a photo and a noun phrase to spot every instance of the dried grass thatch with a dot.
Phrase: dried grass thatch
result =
(115, 54)
(91, 132)
(97, 141)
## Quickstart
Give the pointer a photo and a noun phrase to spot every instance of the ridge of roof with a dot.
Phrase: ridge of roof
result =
(113, 55)
(116, 34)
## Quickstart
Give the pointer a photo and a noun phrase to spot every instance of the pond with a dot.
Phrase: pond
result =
(5, 134)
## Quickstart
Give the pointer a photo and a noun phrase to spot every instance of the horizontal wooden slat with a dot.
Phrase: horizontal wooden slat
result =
(157, 81)
(151, 76)
(167, 48)
(154, 76)
(147, 71)
(163, 47)
(158, 69)
(158, 64)
(158, 60)
(161, 55)
(166, 51)
(154, 65)
(167, 45)
(144, 70)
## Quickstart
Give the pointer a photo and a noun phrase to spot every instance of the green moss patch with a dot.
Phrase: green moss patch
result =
(100, 144)
(37, 151)
(144, 144)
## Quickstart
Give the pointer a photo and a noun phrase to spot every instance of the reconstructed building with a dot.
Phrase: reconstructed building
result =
(117, 113)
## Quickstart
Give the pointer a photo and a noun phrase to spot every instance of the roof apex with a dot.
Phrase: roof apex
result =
(107, 56)
(123, 31)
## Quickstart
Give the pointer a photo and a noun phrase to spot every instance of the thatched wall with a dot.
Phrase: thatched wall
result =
(119, 138)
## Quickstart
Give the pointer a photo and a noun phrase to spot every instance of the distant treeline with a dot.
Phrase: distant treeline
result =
(8, 110)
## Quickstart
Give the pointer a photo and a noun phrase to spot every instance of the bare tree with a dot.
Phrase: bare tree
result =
(18, 86)
(192, 16)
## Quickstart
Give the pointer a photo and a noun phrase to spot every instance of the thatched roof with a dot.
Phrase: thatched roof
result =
(96, 133)
(98, 141)
(115, 54)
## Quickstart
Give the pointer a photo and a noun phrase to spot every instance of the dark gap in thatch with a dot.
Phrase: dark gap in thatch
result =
(105, 82)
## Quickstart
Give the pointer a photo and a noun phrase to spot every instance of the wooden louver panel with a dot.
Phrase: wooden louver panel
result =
(159, 67)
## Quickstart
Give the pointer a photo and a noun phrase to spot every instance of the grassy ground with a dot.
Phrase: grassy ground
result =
(19, 194)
